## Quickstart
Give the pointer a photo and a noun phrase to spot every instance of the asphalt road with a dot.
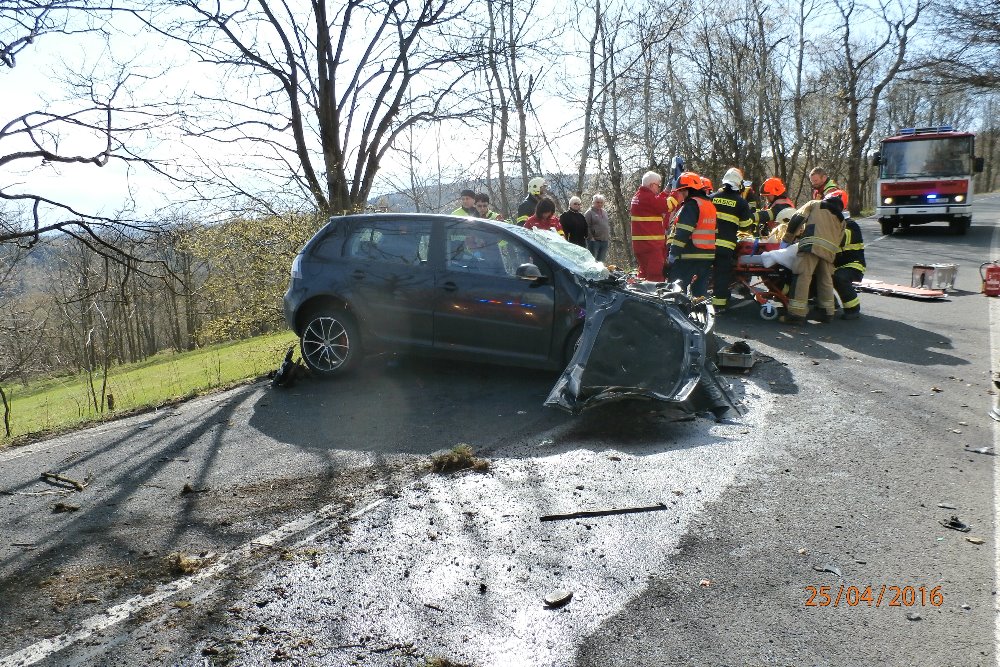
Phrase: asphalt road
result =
(311, 532)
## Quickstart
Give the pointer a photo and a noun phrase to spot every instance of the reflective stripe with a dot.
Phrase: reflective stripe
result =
(857, 266)
(653, 237)
(819, 241)
(521, 219)
(722, 243)
(728, 217)
(647, 218)
(798, 305)
(698, 255)
(854, 246)
(703, 236)
(853, 303)
(687, 227)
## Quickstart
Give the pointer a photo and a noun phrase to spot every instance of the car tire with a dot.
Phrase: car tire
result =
(887, 227)
(330, 342)
(960, 227)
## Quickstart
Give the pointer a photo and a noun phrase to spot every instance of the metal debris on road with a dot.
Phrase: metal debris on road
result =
(988, 451)
(914, 616)
(946, 506)
(828, 568)
(592, 513)
(955, 524)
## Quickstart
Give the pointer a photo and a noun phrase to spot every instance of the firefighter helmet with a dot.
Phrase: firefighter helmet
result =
(836, 193)
(734, 179)
(773, 186)
(689, 179)
(706, 184)
(535, 185)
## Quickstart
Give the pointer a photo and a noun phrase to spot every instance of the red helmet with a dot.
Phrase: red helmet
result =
(837, 193)
(689, 179)
(706, 184)
(772, 186)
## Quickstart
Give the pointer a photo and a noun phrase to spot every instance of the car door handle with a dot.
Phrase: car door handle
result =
(450, 286)
(358, 274)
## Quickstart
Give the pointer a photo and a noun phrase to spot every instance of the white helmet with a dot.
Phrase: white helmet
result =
(535, 185)
(733, 178)
(785, 215)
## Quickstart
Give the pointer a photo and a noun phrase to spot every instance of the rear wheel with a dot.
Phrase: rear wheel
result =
(960, 226)
(887, 226)
(330, 342)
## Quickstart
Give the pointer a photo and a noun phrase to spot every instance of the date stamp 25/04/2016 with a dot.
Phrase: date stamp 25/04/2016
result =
(878, 596)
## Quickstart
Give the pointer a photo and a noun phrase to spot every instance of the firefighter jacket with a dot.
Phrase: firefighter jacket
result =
(852, 248)
(526, 209)
(828, 187)
(732, 215)
(766, 218)
(818, 228)
(466, 212)
(692, 230)
(551, 224)
(647, 211)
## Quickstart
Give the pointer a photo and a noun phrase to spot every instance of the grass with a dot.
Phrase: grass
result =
(58, 404)
(459, 457)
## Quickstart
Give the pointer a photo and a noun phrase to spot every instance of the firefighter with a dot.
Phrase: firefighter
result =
(649, 206)
(692, 235)
(849, 266)
(818, 227)
(778, 200)
(706, 185)
(821, 182)
(748, 193)
(536, 190)
(732, 215)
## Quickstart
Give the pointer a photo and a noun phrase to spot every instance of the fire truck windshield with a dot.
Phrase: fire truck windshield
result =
(927, 158)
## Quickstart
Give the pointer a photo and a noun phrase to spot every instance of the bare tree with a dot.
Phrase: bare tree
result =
(864, 68)
(331, 88)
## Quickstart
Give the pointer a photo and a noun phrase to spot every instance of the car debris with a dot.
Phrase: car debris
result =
(833, 569)
(611, 512)
(644, 341)
(955, 524)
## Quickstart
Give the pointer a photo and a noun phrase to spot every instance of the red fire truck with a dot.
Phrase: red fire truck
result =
(925, 174)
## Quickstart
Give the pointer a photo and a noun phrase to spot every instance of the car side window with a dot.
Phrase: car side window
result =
(393, 241)
(484, 251)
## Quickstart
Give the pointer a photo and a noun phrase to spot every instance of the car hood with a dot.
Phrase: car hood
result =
(646, 341)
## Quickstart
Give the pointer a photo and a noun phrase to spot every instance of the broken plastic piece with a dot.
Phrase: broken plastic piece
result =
(955, 524)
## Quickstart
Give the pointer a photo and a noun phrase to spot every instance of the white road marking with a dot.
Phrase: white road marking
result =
(114, 615)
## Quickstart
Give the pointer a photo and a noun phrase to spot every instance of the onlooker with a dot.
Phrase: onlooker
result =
(483, 208)
(574, 224)
(545, 217)
(468, 207)
(598, 228)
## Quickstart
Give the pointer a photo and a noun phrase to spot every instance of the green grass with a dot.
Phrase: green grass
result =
(58, 404)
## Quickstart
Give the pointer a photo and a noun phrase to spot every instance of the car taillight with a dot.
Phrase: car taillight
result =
(297, 267)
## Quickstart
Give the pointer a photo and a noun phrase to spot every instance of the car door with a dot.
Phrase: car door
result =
(391, 279)
(482, 308)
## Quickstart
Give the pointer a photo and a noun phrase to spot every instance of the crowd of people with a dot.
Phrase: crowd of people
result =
(691, 234)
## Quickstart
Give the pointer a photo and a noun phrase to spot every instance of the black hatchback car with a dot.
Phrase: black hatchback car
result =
(457, 287)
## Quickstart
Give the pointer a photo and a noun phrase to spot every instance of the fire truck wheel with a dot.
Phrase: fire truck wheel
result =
(887, 227)
(960, 226)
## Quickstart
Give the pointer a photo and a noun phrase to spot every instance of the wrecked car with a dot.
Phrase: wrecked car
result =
(486, 291)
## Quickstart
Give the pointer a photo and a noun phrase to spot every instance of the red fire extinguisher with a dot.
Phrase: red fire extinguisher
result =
(990, 272)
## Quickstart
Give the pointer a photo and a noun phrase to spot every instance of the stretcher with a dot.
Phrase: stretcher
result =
(766, 285)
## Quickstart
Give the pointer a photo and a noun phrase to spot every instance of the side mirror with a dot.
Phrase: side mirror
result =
(529, 272)
(977, 165)
(876, 159)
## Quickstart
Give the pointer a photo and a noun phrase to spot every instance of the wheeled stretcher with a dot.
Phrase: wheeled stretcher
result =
(767, 285)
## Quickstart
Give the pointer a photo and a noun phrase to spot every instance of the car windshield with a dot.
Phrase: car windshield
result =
(927, 158)
(576, 258)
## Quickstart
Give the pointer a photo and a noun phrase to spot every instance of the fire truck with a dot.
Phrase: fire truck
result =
(925, 175)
